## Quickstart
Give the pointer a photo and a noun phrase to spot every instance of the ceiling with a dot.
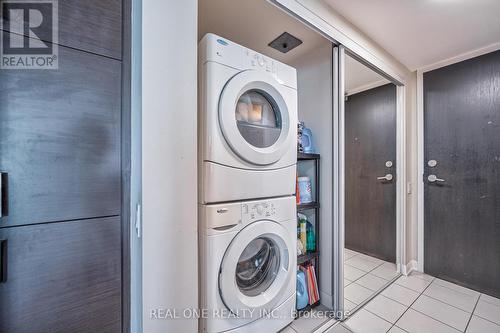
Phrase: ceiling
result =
(254, 24)
(422, 32)
(358, 77)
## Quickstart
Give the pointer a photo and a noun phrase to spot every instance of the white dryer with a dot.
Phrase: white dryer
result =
(247, 123)
(247, 265)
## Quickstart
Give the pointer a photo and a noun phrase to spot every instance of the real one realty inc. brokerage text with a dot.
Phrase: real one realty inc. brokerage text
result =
(193, 313)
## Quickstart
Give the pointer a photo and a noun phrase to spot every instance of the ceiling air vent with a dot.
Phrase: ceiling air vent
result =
(285, 42)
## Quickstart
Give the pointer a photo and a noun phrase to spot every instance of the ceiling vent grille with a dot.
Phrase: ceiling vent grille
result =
(285, 42)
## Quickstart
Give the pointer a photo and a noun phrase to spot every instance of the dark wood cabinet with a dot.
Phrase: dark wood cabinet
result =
(65, 164)
(60, 137)
(62, 277)
(94, 26)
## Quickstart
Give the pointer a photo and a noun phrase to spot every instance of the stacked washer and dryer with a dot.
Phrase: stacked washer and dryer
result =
(247, 173)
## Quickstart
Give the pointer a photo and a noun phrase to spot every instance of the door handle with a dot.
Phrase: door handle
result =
(434, 178)
(3, 194)
(387, 177)
(3, 261)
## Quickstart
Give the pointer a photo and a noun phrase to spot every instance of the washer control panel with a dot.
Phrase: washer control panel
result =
(279, 209)
(254, 211)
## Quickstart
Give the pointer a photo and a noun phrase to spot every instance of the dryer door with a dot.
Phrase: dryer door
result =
(255, 118)
(257, 268)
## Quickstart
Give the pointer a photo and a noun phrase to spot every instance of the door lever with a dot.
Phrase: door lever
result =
(387, 177)
(434, 178)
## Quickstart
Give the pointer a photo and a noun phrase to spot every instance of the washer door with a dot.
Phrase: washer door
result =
(254, 117)
(256, 267)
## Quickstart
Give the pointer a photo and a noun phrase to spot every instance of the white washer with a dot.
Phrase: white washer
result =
(247, 123)
(248, 265)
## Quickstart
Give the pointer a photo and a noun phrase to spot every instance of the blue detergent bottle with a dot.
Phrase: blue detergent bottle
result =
(307, 140)
(302, 295)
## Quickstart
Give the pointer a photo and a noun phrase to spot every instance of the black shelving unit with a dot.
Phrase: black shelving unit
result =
(303, 258)
(308, 209)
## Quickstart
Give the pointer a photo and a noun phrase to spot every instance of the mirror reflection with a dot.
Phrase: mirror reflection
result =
(370, 184)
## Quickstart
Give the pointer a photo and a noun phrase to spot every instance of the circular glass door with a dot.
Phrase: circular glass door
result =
(255, 120)
(258, 119)
(257, 267)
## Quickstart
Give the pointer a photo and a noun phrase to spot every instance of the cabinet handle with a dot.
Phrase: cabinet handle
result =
(3, 194)
(3, 261)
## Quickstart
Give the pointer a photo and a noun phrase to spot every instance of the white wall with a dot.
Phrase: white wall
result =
(135, 170)
(169, 162)
(314, 72)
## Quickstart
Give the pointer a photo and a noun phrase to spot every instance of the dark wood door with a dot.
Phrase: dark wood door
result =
(462, 134)
(60, 139)
(370, 142)
(62, 277)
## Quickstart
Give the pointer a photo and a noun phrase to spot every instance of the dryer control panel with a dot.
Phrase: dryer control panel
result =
(259, 61)
(213, 48)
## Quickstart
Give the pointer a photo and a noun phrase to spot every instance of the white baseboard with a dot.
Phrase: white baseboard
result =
(410, 267)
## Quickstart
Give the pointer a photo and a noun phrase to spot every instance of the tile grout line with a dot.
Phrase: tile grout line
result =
(409, 306)
(488, 320)
(378, 293)
(485, 319)
(489, 302)
(442, 322)
(374, 292)
(362, 276)
(433, 281)
(335, 323)
(453, 306)
(371, 270)
(419, 293)
(422, 294)
(458, 291)
(424, 314)
(376, 315)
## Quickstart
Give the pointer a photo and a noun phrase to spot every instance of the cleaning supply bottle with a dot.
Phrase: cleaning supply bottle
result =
(303, 229)
(310, 237)
(302, 295)
(305, 190)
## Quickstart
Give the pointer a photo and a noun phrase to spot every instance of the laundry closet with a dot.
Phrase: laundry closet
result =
(301, 60)
(264, 78)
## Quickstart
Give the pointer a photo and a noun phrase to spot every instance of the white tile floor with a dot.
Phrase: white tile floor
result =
(364, 276)
(317, 320)
(414, 304)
